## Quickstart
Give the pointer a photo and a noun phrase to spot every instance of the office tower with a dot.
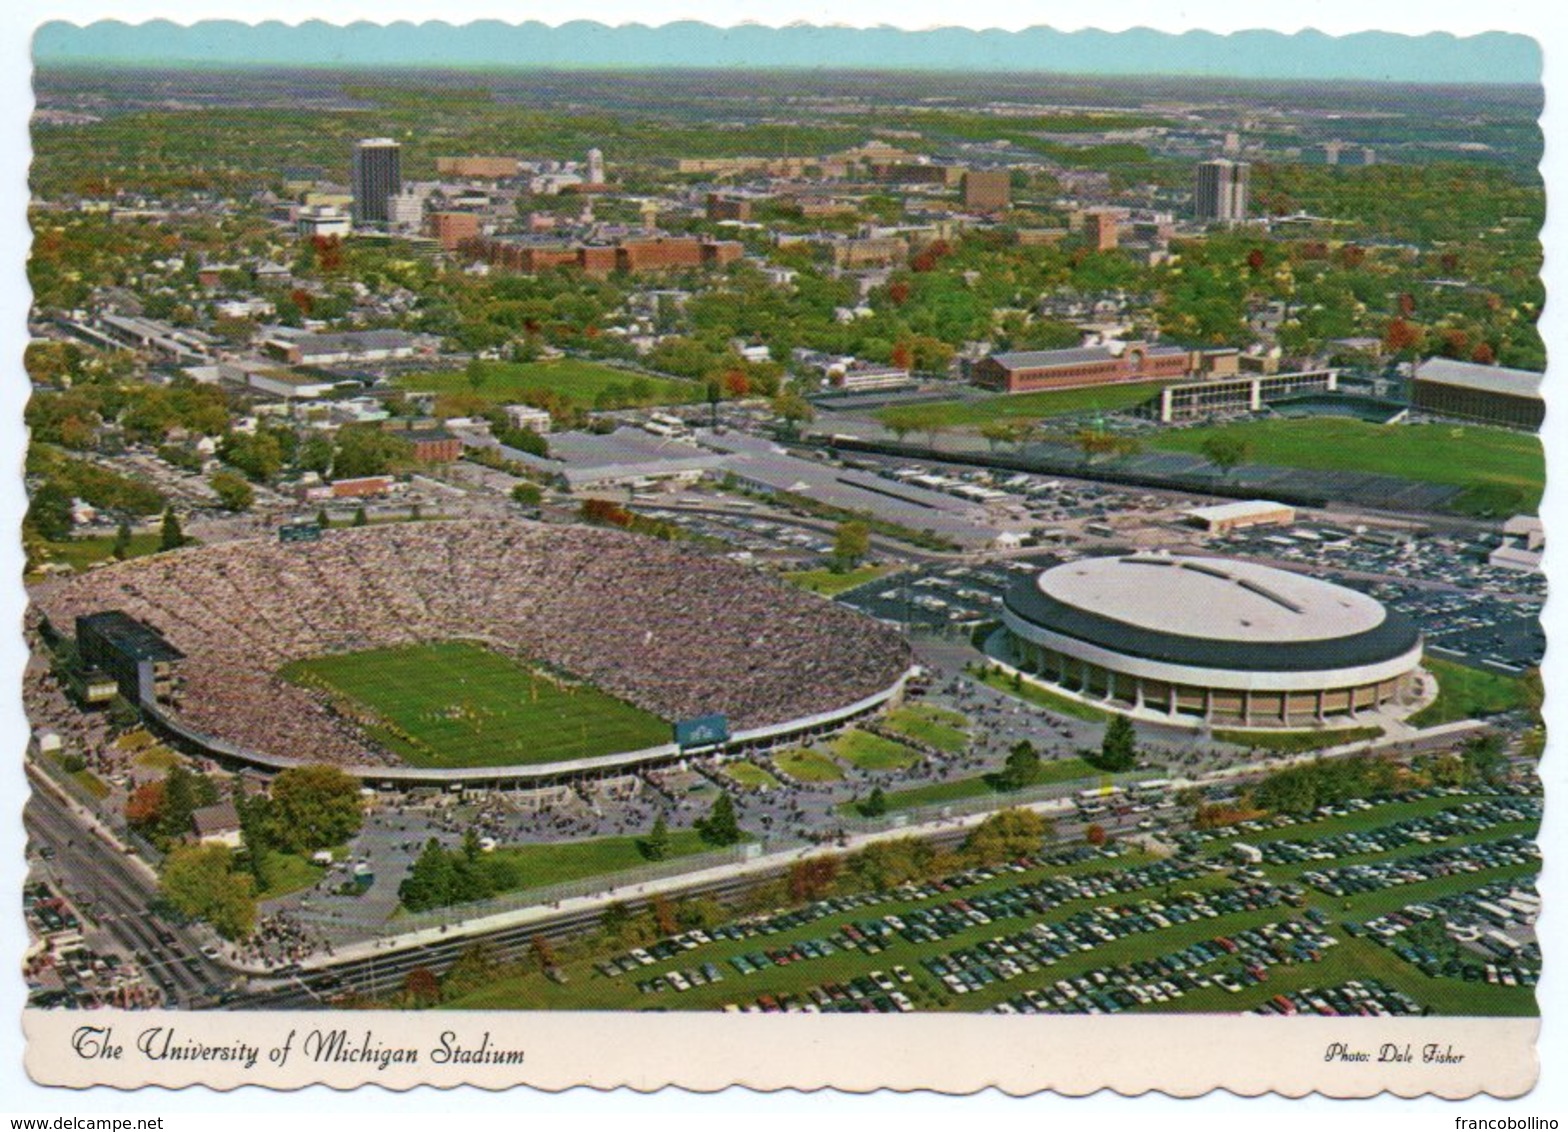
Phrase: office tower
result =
(1220, 192)
(595, 167)
(376, 177)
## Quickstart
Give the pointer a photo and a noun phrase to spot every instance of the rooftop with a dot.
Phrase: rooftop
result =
(1212, 598)
(1488, 379)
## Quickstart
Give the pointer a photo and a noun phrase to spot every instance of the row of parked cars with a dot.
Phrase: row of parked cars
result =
(1367, 998)
(1231, 963)
(865, 935)
(1349, 880)
(876, 992)
(1481, 935)
(1472, 817)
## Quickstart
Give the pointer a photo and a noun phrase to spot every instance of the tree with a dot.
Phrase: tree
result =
(49, 512)
(1022, 766)
(475, 372)
(1095, 835)
(183, 794)
(360, 518)
(234, 494)
(1119, 749)
(794, 410)
(720, 826)
(1006, 836)
(313, 807)
(875, 804)
(851, 543)
(366, 450)
(656, 846)
(122, 541)
(323, 520)
(527, 494)
(200, 881)
(422, 987)
(170, 536)
(1225, 451)
(144, 807)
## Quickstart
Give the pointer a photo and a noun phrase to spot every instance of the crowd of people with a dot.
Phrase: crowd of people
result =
(672, 630)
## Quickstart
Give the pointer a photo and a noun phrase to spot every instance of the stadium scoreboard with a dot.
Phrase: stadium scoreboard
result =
(702, 731)
(299, 532)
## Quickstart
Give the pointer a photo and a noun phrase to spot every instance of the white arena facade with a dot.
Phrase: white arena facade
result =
(1205, 641)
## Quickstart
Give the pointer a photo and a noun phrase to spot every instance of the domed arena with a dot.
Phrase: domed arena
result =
(1212, 640)
(506, 643)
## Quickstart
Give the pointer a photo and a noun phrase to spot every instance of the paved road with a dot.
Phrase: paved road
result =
(113, 895)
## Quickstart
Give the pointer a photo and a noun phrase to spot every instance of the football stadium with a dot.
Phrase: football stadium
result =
(460, 652)
(1201, 640)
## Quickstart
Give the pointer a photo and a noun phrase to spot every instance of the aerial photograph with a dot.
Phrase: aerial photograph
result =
(779, 539)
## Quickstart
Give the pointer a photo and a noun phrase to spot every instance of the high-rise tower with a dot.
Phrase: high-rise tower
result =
(376, 176)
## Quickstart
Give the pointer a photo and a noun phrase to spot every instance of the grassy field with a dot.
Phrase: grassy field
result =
(85, 551)
(933, 726)
(1468, 693)
(872, 752)
(505, 383)
(980, 786)
(1047, 403)
(558, 862)
(1503, 472)
(1041, 697)
(830, 584)
(1350, 958)
(1293, 742)
(458, 704)
(286, 873)
(750, 775)
(808, 766)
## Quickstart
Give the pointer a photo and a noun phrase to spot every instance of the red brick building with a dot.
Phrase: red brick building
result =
(987, 190)
(1030, 370)
(452, 229)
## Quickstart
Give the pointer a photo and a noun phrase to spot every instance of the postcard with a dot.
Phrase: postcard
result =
(841, 559)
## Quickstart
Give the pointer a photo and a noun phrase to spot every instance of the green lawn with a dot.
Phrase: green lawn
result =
(1503, 472)
(583, 381)
(1468, 693)
(556, 862)
(459, 704)
(829, 583)
(750, 775)
(980, 786)
(288, 872)
(873, 752)
(808, 766)
(936, 727)
(1039, 696)
(1047, 403)
(1293, 742)
(88, 550)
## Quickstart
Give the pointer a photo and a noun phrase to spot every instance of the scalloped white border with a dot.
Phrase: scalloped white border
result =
(18, 17)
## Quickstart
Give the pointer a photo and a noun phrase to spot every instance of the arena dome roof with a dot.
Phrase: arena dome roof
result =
(1212, 613)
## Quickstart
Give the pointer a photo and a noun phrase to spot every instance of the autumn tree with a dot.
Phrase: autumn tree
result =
(422, 987)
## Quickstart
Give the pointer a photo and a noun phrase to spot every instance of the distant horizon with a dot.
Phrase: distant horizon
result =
(1437, 59)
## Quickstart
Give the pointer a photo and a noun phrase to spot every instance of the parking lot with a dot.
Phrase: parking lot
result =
(1113, 929)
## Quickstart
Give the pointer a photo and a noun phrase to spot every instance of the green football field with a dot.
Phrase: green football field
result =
(458, 704)
(1502, 471)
